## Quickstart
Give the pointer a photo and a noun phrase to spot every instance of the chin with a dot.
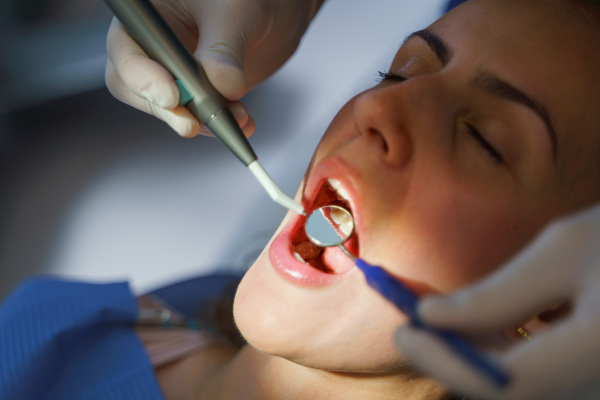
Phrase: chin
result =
(331, 329)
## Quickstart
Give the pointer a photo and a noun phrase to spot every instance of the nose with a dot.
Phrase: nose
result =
(380, 116)
(388, 116)
(417, 115)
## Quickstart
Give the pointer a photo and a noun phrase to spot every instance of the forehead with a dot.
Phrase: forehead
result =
(547, 44)
(549, 48)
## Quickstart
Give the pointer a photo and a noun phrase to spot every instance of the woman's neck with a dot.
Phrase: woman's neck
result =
(252, 375)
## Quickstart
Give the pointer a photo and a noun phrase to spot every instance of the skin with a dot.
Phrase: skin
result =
(434, 206)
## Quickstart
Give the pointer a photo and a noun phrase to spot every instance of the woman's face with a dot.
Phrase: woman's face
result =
(485, 131)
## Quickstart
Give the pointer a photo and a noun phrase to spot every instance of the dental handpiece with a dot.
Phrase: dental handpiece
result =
(151, 32)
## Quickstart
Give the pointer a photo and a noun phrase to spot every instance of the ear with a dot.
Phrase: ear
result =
(537, 324)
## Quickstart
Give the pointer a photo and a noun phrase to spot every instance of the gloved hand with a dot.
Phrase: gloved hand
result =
(238, 42)
(562, 361)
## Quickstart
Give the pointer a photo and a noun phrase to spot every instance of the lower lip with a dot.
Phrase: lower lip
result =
(294, 271)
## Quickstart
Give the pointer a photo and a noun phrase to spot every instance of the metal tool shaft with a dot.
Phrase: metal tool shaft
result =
(151, 32)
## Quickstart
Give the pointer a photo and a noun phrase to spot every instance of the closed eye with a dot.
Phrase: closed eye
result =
(483, 143)
(491, 150)
(390, 77)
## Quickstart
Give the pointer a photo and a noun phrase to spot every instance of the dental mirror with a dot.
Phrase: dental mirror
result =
(330, 226)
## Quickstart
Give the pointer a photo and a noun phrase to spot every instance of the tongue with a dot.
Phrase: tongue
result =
(336, 261)
(308, 250)
(330, 260)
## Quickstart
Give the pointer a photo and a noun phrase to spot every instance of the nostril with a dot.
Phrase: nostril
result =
(395, 148)
(375, 134)
(382, 117)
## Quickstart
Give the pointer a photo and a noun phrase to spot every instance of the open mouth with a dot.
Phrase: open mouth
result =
(331, 192)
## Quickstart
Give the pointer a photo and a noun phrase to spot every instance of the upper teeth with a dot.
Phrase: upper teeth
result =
(344, 220)
(337, 186)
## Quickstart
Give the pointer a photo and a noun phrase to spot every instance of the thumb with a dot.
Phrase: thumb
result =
(225, 72)
(222, 49)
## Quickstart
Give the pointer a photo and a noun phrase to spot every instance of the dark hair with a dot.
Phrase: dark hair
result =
(589, 3)
(590, 9)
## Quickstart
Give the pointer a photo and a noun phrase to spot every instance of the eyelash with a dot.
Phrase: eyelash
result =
(391, 77)
(485, 144)
(388, 76)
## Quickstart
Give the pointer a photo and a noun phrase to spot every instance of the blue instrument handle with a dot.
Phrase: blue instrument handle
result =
(399, 295)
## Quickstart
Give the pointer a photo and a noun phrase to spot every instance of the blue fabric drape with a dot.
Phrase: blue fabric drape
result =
(64, 340)
(70, 340)
(453, 3)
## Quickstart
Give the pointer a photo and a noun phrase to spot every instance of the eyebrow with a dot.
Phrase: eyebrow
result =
(492, 84)
(496, 86)
(435, 42)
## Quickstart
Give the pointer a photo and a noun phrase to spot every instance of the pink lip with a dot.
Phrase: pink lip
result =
(280, 251)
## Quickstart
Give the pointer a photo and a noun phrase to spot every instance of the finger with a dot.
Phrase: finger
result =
(538, 277)
(244, 120)
(186, 125)
(569, 353)
(179, 118)
(226, 36)
(432, 357)
(141, 75)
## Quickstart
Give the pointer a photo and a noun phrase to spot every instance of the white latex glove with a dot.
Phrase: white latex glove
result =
(239, 43)
(561, 362)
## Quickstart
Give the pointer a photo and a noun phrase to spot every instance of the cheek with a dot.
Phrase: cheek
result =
(446, 234)
(470, 242)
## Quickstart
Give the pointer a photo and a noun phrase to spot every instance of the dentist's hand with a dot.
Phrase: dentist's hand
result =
(561, 362)
(238, 42)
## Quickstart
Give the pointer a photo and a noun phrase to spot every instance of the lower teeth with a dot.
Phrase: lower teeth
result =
(316, 263)
(299, 257)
